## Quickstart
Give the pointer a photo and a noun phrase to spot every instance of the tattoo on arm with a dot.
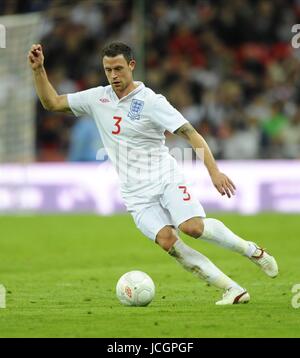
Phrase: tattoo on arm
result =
(185, 131)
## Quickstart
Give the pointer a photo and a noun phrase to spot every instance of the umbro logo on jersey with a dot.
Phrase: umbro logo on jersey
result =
(104, 100)
(136, 109)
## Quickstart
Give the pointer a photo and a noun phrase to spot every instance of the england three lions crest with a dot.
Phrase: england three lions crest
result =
(136, 109)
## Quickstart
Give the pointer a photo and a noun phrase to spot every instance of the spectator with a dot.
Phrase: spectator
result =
(221, 63)
(272, 129)
(85, 142)
(290, 138)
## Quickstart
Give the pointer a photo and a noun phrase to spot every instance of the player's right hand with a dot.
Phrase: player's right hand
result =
(36, 57)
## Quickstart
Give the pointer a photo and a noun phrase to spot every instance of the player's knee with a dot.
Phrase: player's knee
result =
(192, 227)
(166, 238)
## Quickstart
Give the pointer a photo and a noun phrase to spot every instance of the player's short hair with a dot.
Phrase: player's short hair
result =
(118, 48)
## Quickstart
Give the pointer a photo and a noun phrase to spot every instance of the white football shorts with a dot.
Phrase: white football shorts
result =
(174, 205)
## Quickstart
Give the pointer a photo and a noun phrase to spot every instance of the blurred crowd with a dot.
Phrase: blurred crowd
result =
(228, 66)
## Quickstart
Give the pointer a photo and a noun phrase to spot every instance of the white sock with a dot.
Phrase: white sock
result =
(200, 265)
(215, 231)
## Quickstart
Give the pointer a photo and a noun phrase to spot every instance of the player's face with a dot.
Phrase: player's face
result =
(118, 72)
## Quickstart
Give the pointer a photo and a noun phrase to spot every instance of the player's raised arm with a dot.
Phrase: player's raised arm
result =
(222, 183)
(49, 98)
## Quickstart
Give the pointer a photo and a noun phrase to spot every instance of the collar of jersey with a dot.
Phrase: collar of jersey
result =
(132, 93)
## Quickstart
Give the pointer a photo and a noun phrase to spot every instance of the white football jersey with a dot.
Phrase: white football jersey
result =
(132, 130)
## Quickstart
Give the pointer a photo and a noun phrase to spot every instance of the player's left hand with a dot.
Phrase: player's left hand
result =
(223, 184)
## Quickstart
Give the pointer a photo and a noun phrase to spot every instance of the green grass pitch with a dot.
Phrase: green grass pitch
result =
(60, 274)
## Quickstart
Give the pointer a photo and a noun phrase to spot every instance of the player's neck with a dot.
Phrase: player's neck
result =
(131, 87)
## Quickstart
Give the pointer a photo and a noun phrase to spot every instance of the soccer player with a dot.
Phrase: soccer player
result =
(132, 120)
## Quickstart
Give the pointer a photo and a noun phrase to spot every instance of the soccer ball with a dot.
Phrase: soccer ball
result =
(135, 288)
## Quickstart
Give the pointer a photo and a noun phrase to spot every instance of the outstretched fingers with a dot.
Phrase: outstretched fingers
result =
(226, 187)
(229, 187)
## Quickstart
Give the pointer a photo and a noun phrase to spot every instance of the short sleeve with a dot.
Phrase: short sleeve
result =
(80, 102)
(165, 115)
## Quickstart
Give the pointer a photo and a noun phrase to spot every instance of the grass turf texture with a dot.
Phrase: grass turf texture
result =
(60, 274)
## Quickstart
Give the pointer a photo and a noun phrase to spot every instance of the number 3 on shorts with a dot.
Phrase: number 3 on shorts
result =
(185, 192)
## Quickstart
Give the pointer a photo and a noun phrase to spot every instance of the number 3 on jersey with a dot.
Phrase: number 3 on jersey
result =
(186, 194)
(117, 129)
